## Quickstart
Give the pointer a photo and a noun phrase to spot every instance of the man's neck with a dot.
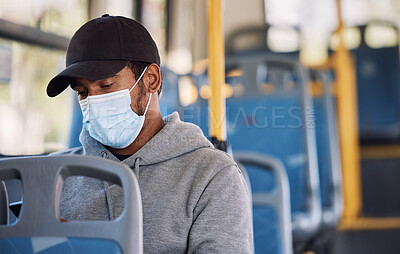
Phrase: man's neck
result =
(150, 128)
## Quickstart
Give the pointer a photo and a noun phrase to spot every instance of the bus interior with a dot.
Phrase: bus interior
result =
(310, 110)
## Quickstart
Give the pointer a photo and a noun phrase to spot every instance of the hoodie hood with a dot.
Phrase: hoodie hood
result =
(173, 140)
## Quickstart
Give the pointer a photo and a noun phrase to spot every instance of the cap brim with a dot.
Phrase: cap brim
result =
(91, 70)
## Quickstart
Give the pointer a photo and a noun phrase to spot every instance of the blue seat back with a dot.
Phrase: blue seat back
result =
(252, 127)
(271, 208)
(272, 116)
(378, 89)
(169, 97)
(197, 112)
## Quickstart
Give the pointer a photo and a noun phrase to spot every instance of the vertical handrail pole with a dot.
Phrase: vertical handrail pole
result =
(348, 125)
(216, 71)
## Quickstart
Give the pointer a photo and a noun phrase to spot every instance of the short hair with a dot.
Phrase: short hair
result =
(137, 68)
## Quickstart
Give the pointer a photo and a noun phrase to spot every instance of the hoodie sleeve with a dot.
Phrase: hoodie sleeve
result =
(222, 216)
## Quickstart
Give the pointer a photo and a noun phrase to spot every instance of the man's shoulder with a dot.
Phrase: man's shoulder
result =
(211, 156)
(72, 151)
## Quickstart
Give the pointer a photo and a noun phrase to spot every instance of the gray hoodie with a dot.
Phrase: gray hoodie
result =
(195, 199)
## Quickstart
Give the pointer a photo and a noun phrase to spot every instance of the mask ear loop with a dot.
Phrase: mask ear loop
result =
(137, 81)
(148, 103)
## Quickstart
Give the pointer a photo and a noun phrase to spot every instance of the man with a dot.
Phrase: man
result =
(195, 199)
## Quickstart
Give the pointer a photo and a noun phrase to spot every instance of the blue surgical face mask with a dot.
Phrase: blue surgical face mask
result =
(110, 119)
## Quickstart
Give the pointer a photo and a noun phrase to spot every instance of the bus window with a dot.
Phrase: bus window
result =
(379, 36)
(283, 39)
(31, 122)
(352, 38)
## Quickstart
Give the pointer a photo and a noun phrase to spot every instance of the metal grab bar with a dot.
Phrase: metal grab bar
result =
(331, 214)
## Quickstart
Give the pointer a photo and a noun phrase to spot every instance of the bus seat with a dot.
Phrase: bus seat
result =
(378, 82)
(197, 112)
(169, 97)
(271, 209)
(378, 86)
(39, 228)
(328, 149)
(277, 121)
(250, 127)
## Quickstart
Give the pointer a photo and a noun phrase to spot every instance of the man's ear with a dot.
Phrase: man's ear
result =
(153, 77)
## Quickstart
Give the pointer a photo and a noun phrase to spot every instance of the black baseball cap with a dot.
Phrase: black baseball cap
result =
(103, 47)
